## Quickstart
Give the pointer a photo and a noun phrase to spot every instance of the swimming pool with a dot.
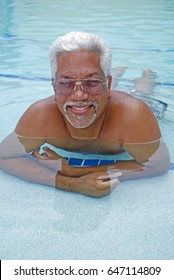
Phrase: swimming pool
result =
(38, 222)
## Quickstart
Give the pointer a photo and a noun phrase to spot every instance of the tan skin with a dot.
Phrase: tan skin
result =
(122, 123)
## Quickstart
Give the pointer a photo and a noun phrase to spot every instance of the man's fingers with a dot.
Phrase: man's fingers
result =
(51, 154)
(114, 183)
(109, 181)
(110, 176)
(37, 155)
(110, 185)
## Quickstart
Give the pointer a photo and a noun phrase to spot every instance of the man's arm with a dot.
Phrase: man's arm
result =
(150, 159)
(15, 160)
(158, 163)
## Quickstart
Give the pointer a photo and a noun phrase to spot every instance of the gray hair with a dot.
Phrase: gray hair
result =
(76, 41)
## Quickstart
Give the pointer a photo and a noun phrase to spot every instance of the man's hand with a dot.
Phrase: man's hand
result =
(97, 184)
(48, 154)
(51, 155)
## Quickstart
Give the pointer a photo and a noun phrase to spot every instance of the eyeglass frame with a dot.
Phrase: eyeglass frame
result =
(80, 83)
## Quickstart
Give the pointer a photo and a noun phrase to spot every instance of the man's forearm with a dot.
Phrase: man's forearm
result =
(29, 169)
(130, 169)
(123, 166)
(66, 183)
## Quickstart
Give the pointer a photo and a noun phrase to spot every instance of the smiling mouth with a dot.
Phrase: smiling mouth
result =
(80, 110)
(79, 107)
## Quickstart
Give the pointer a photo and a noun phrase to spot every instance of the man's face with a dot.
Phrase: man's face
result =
(84, 102)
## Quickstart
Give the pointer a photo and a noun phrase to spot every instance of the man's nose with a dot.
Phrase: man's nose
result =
(79, 94)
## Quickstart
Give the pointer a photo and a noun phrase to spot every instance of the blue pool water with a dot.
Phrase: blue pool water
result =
(37, 222)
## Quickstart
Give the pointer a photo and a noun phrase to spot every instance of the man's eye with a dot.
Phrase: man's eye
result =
(92, 83)
(66, 83)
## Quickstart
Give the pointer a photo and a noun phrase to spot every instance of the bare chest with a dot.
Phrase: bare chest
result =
(95, 146)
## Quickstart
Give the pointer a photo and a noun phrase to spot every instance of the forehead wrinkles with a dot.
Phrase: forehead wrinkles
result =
(77, 73)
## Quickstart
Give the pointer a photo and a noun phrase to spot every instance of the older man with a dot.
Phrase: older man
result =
(85, 115)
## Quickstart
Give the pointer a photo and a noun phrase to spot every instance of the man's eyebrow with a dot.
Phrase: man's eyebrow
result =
(64, 77)
(93, 74)
(70, 76)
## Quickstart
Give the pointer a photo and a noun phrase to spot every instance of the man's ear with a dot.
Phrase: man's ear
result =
(109, 85)
(52, 82)
(109, 82)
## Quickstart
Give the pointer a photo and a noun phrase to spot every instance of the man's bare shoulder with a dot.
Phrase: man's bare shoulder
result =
(126, 103)
(45, 103)
(123, 104)
(137, 121)
(124, 99)
(40, 119)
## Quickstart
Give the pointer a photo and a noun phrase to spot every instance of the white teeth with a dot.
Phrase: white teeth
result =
(79, 104)
(80, 109)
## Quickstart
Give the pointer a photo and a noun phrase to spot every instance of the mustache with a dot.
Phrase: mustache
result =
(80, 104)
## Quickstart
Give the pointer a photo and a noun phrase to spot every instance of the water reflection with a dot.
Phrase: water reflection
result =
(79, 214)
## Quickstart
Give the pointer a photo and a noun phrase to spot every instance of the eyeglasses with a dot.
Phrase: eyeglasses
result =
(91, 86)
